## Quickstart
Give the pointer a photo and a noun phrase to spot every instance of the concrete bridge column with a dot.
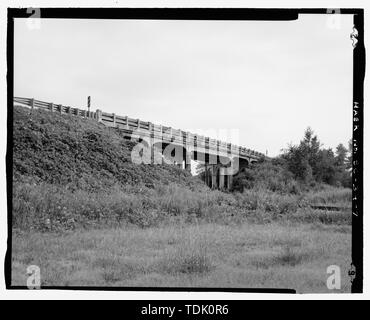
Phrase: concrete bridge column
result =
(221, 179)
(229, 181)
(214, 176)
(188, 160)
(206, 175)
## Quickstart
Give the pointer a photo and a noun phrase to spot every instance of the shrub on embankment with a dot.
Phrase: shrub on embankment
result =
(81, 154)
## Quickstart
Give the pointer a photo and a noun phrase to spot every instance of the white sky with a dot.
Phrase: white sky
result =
(268, 80)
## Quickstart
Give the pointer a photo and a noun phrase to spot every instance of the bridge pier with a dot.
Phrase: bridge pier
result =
(217, 176)
(214, 176)
(221, 179)
(188, 160)
(229, 181)
(209, 178)
(206, 175)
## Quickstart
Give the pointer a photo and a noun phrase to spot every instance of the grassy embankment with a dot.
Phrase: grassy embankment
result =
(156, 225)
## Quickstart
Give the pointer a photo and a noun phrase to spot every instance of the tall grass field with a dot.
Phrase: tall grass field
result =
(87, 216)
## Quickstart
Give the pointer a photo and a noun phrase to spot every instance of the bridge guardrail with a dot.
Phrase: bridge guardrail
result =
(131, 124)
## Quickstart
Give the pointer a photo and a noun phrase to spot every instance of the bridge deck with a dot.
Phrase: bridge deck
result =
(147, 129)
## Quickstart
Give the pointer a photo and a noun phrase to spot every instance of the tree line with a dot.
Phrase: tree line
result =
(309, 162)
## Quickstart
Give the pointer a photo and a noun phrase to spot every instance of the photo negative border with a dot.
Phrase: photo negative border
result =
(357, 37)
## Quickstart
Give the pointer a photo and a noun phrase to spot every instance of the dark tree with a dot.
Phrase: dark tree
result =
(341, 155)
(297, 162)
(308, 162)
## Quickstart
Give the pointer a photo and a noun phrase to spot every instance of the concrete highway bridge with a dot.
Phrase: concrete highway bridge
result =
(159, 143)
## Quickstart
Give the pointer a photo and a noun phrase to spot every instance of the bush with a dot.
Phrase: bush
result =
(271, 176)
(81, 154)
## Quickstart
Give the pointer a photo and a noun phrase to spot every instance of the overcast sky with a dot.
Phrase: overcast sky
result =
(268, 80)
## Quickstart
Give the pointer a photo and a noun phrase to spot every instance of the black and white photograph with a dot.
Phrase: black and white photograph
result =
(215, 150)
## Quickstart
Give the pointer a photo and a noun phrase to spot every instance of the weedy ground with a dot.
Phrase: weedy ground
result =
(247, 255)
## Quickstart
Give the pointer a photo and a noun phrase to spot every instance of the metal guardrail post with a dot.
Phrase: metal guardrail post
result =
(99, 115)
